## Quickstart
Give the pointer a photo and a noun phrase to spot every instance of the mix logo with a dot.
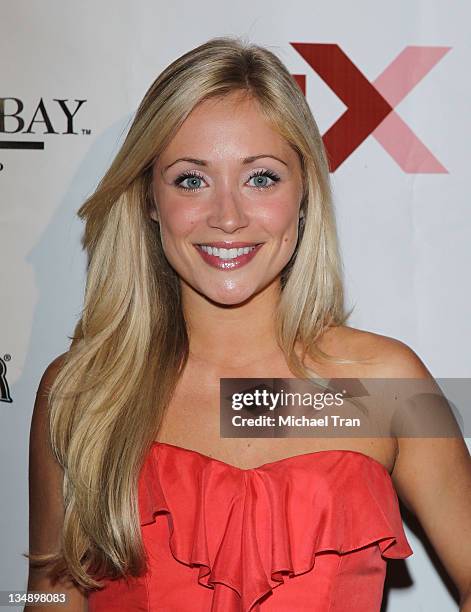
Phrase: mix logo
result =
(4, 389)
(57, 117)
(370, 105)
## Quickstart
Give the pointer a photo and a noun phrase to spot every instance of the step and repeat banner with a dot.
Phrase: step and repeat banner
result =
(388, 85)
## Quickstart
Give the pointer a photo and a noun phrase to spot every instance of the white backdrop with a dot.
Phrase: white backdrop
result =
(402, 205)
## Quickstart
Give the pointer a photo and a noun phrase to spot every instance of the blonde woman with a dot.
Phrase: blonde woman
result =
(213, 254)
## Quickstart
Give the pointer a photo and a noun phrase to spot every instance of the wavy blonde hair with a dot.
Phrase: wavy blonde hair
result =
(131, 344)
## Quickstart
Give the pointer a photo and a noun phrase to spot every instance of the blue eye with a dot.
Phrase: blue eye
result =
(260, 177)
(194, 179)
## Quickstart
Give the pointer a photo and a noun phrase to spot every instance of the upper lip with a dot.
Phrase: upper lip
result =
(229, 245)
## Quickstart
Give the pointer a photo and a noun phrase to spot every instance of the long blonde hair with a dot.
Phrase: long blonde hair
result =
(131, 344)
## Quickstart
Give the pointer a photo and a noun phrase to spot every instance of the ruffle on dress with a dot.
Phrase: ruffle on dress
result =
(252, 529)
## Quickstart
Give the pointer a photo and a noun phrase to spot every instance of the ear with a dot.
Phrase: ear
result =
(152, 209)
(154, 215)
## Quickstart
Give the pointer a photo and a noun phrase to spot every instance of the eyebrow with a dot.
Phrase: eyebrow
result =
(202, 162)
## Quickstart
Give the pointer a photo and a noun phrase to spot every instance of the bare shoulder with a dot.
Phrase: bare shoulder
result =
(424, 466)
(39, 419)
(52, 369)
(380, 356)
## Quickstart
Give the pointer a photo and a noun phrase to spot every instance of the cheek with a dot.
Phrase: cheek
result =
(280, 220)
(177, 221)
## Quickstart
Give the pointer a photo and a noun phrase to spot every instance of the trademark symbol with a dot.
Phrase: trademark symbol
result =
(7, 357)
(86, 131)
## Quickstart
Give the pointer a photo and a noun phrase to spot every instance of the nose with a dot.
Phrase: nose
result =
(227, 210)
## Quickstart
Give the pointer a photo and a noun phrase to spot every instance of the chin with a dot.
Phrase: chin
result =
(228, 296)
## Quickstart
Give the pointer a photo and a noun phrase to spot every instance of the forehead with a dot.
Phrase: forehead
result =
(233, 125)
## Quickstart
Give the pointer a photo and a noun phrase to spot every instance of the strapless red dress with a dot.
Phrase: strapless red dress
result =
(311, 532)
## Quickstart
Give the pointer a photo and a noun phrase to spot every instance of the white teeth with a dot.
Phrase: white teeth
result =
(226, 253)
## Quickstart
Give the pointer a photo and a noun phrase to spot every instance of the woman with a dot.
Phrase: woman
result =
(157, 512)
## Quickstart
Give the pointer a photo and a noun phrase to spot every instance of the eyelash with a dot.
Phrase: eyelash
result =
(194, 174)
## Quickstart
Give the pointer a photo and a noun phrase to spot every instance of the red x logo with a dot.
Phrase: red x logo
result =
(370, 106)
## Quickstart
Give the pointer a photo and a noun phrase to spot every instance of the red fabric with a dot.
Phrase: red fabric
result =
(307, 533)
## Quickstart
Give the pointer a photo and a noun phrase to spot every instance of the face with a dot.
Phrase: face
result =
(227, 192)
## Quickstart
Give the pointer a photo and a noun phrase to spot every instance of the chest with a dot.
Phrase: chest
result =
(192, 420)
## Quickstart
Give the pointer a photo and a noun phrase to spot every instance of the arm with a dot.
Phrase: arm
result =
(46, 509)
(433, 478)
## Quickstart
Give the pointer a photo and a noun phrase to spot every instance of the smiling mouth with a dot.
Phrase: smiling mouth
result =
(227, 253)
(228, 258)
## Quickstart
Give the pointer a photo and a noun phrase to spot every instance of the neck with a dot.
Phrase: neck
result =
(234, 335)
